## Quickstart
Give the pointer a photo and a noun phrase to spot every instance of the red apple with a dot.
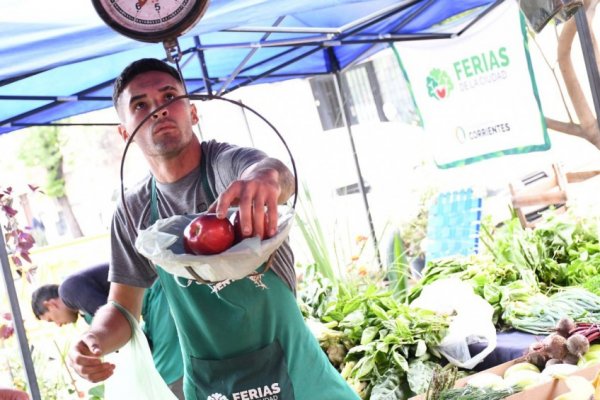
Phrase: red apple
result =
(237, 228)
(207, 235)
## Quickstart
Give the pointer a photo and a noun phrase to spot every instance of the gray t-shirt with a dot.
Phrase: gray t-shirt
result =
(224, 164)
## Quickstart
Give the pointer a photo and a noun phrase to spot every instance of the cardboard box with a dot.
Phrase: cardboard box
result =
(544, 391)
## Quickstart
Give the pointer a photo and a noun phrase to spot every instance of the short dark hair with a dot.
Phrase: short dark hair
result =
(39, 296)
(139, 67)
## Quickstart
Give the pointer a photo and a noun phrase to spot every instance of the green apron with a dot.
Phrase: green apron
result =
(160, 330)
(87, 318)
(245, 342)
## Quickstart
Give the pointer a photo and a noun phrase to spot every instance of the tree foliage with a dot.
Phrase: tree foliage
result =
(42, 149)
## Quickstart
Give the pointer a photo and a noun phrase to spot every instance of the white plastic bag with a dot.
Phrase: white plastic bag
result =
(135, 377)
(472, 323)
(162, 243)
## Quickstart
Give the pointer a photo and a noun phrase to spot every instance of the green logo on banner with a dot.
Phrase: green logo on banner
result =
(439, 84)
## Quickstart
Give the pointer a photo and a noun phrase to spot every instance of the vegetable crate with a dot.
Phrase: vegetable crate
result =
(544, 391)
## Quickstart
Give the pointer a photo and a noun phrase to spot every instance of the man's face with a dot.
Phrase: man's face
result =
(168, 130)
(58, 313)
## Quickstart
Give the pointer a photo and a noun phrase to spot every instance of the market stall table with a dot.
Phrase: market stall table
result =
(510, 345)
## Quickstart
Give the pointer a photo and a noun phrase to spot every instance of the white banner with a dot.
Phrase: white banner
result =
(476, 93)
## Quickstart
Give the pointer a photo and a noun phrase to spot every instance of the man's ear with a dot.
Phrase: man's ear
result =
(123, 132)
(49, 303)
(195, 118)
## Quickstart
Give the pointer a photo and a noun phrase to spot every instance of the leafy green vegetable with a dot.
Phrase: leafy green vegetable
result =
(390, 387)
(593, 285)
(420, 374)
(521, 268)
(380, 333)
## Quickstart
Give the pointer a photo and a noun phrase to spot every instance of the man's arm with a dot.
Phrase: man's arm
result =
(108, 332)
(264, 184)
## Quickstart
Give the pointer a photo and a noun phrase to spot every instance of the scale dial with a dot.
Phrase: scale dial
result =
(151, 20)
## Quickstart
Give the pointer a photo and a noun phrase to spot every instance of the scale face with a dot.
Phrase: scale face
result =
(151, 20)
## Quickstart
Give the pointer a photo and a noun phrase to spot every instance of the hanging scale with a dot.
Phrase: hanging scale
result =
(152, 21)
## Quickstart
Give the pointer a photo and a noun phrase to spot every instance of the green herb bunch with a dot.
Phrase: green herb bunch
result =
(387, 348)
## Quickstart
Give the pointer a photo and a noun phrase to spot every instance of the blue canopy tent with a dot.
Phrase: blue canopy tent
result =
(65, 66)
(53, 70)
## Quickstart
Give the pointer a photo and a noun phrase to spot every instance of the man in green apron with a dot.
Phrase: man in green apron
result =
(84, 291)
(244, 342)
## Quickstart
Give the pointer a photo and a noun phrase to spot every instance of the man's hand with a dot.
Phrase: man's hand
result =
(252, 196)
(85, 357)
(259, 189)
(110, 330)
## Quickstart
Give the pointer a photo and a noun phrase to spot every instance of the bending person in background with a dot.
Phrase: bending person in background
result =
(84, 292)
(245, 341)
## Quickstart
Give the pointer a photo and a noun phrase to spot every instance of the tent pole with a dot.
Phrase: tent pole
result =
(361, 182)
(247, 124)
(203, 67)
(587, 47)
(9, 284)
